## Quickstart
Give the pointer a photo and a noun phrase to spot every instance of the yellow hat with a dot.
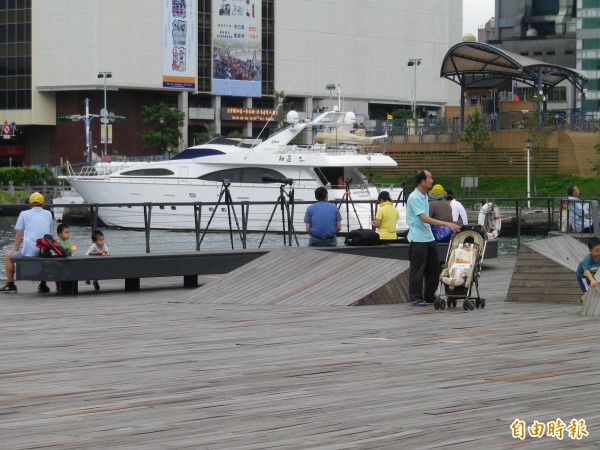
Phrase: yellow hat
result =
(438, 189)
(36, 199)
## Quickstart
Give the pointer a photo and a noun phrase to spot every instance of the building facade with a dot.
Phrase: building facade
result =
(588, 48)
(186, 53)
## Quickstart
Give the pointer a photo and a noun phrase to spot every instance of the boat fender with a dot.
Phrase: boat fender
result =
(490, 219)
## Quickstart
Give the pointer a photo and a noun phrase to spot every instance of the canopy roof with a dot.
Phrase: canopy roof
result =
(475, 64)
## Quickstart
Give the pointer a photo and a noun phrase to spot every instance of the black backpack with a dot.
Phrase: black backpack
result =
(48, 246)
(362, 237)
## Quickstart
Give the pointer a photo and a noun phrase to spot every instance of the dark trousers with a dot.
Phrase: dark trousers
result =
(424, 268)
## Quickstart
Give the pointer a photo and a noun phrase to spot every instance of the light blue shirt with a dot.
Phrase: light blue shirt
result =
(418, 231)
(34, 223)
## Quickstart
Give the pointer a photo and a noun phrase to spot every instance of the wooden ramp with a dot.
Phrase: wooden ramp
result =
(545, 271)
(305, 276)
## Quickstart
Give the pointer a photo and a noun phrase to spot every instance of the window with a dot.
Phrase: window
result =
(149, 172)
(589, 44)
(590, 64)
(15, 51)
(593, 23)
(245, 175)
(591, 3)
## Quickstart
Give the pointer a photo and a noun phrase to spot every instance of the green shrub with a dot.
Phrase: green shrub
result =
(27, 176)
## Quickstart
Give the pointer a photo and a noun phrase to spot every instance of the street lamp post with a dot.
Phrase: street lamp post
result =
(414, 62)
(330, 87)
(104, 111)
(162, 144)
(528, 145)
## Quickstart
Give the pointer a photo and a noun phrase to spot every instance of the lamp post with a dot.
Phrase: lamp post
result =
(104, 111)
(330, 87)
(528, 146)
(414, 62)
(162, 144)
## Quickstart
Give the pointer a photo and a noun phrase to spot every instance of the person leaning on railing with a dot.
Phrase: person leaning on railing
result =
(578, 212)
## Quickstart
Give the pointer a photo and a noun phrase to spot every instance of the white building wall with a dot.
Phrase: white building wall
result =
(365, 47)
(76, 39)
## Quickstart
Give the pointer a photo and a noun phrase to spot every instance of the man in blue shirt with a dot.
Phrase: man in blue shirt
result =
(323, 220)
(422, 250)
(31, 225)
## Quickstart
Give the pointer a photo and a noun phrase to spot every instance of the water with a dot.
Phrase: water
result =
(130, 241)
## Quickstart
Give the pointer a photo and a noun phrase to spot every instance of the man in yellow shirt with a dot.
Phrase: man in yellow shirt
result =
(386, 217)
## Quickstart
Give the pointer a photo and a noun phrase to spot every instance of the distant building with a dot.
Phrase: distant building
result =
(588, 48)
(545, 30)
(220, 61)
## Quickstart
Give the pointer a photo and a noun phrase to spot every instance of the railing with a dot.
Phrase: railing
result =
(515, 209)
(402, 130)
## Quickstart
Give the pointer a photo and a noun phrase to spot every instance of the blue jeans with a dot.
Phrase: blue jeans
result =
(320, 242)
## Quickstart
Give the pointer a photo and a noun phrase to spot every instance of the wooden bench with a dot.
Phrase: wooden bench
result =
(132, 267)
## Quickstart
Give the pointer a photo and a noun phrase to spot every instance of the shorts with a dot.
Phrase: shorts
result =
(584, 284)
(15, 254)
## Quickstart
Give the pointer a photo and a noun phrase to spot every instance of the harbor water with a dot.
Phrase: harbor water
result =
(134, 241)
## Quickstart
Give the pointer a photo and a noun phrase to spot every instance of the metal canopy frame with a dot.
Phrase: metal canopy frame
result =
(477, 65)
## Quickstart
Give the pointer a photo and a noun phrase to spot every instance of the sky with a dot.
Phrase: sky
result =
(475, 13)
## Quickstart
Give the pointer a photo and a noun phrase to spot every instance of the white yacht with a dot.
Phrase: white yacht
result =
(286, 161)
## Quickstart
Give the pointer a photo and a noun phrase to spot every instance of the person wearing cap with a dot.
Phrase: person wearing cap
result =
(31, 225)
(422, 250)
(438, 207)
(459, 213)
(386, 217)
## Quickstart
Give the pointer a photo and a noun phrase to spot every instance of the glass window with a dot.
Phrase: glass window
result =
(589, 44)
(590, 64)
(592, 23)
(591, 3)
(245, 175)
(154, 172)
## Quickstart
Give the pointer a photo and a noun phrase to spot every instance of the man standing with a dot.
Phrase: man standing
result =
(31, 225)
(323, 221)
(422, 251)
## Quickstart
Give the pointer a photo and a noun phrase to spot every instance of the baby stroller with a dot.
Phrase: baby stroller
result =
(462, 268)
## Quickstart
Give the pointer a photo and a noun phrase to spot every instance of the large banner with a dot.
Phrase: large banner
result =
(237, 47)
(180, 47)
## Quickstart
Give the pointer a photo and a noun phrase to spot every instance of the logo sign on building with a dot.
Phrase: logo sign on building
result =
(237, 47)
(247, 114)
(180, 46)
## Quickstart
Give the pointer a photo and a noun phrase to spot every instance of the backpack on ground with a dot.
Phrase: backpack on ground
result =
(49, 247)
(362, 237)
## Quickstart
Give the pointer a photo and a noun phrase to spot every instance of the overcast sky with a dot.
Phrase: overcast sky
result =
(475, 13)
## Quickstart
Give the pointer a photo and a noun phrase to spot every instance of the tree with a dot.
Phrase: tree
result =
(539, 126)
(286, 107)
(476, 134)
(202, 137)
(164, 131)
(596, 165)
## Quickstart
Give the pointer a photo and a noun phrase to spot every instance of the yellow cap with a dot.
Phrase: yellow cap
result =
(36, 199)
(438, 189)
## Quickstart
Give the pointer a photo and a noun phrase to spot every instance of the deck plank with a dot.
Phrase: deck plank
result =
(148, 370)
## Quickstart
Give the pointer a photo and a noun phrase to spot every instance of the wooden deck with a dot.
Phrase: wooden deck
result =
(147, 370)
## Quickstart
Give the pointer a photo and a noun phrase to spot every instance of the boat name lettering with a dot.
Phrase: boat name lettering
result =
(289, 158)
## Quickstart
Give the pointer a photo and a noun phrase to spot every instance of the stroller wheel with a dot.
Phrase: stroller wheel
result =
(442, 304)
(436, 303)
(449, 301)
(471, 305)
(477, 303)
(482, 303)
(466, 304)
